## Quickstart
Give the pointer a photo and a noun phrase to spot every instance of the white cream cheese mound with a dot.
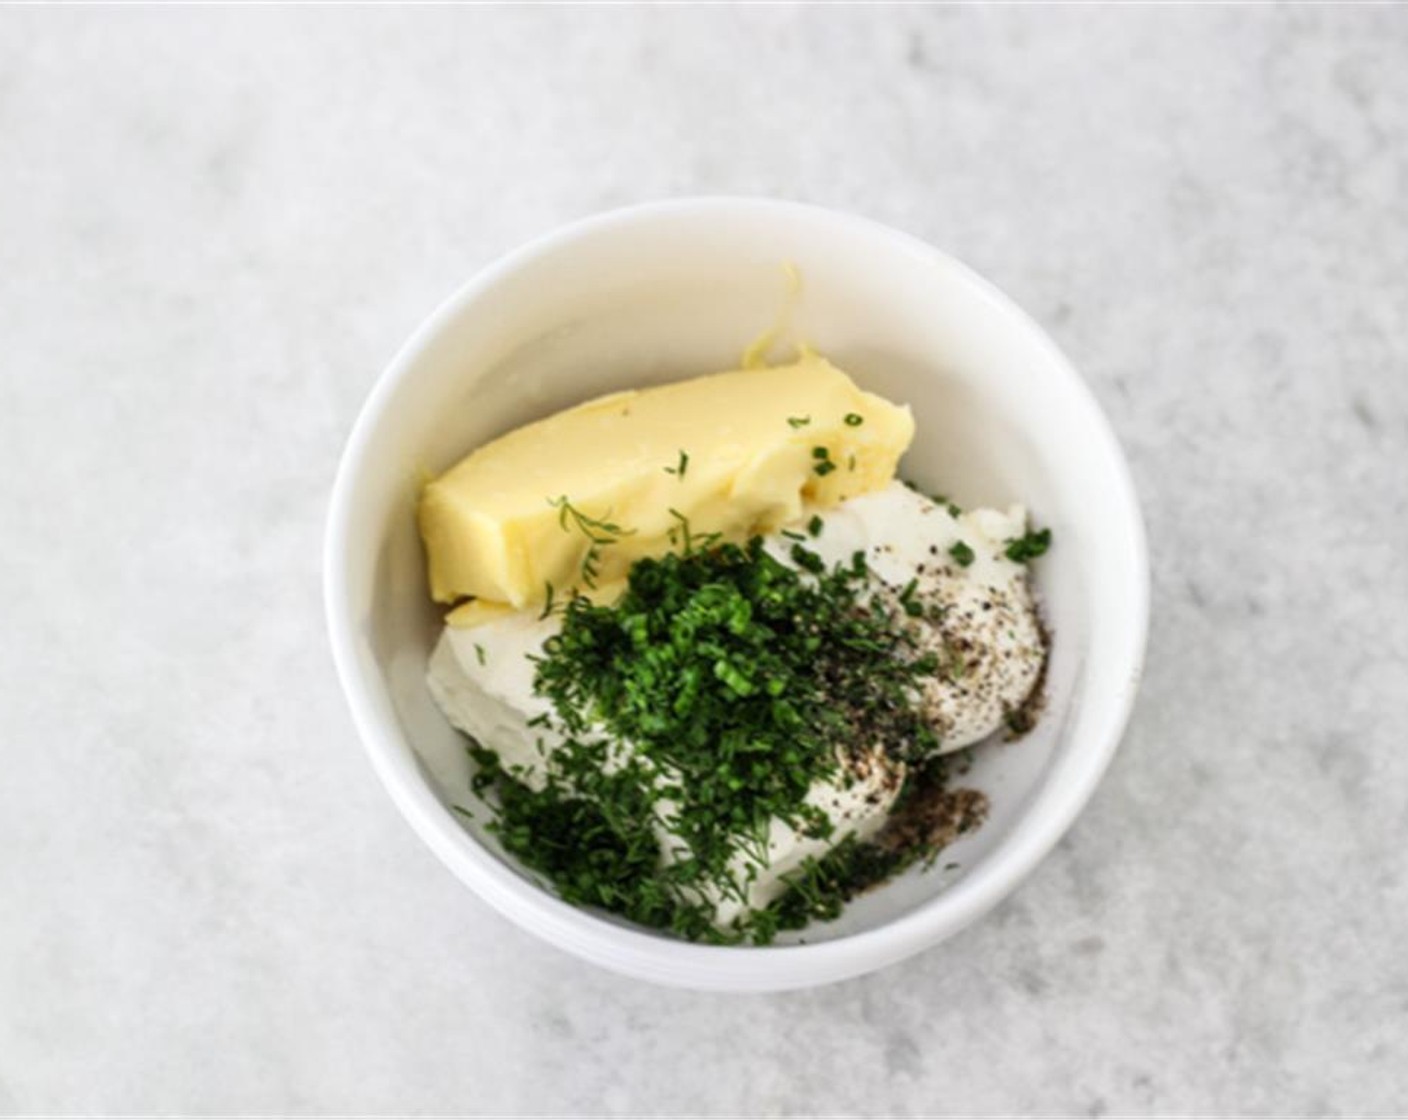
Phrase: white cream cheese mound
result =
(979, 620)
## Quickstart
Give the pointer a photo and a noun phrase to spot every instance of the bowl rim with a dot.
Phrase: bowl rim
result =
(656, 957)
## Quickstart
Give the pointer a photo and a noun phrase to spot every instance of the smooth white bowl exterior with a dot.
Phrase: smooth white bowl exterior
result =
(663, 291)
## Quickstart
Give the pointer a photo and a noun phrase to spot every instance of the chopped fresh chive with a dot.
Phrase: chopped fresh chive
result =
(807, 560)
(479, 652)
(793, 535)
(823, 465)
(954, 509)
(1029, 546)
(912, 606)
(799, 421)
(854, 419)
(961, 553)
(814, 526)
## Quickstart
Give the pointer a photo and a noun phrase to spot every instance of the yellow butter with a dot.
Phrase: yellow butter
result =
(477, 612)
(750, 437)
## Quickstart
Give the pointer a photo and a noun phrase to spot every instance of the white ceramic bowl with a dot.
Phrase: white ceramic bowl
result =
(658, 292)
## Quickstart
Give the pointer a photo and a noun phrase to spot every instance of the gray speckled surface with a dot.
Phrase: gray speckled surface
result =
(217, 225)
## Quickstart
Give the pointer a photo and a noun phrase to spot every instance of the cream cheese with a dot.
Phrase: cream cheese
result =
(979, 619)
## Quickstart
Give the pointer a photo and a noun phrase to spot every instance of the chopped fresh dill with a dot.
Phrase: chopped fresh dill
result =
(600, 533)
(691, 541)
(679, 468)
(598, 530)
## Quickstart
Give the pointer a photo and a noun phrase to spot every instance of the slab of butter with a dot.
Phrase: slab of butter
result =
(734, 453)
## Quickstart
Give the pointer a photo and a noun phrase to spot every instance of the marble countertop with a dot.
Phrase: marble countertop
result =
(216, 226)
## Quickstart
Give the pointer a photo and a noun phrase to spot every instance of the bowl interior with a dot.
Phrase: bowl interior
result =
(678, 291)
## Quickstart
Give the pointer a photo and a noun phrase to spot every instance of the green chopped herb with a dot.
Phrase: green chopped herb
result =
(692, 541)
(599, 530)
(679, 469)
(1029, 546)
(824, 468)
(938, 499)
(954, 509)
(961, 553)
(737, 684)
(821, 453)
(908, 602)
(815, 525)
(854, 419)
(807, 560)
(799, 421)
(479, 652)
(600, 533)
